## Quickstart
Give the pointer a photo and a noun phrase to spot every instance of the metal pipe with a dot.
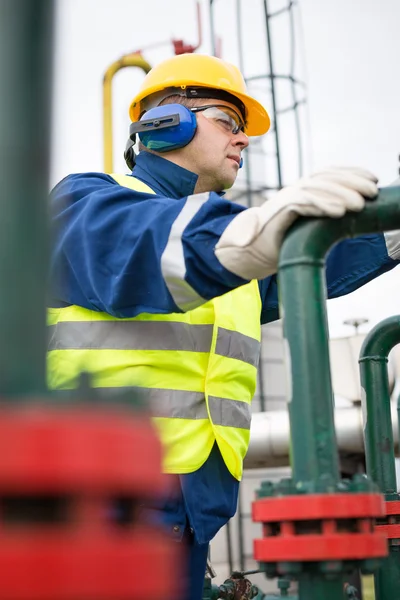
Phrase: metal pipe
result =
(26, 52)
(296, 103)
(249, 193)
(378, 434)
(302, 276)
(273, 94)
(229, 546)
(129, 60)
(379, 445)
(212, 29)
(242, 558)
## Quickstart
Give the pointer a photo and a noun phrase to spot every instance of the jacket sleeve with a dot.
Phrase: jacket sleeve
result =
(126, 252)
(350, 264)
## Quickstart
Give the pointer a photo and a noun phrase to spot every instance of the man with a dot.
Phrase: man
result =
(159, 283)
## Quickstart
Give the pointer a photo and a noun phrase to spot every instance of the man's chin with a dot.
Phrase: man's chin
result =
(224, 183)
(223, 187)
(229, 183)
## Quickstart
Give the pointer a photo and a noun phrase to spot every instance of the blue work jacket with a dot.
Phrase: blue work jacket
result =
(107, 243)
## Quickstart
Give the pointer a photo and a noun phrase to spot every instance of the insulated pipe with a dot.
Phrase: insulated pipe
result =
(129, 60)
(270, 436)
(26, 51)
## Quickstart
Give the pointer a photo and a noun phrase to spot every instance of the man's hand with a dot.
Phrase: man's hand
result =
(249, 246)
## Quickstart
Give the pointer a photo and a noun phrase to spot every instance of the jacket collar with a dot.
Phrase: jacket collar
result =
(163, 176)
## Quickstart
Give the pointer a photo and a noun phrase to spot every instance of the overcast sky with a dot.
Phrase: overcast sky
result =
(346, 51)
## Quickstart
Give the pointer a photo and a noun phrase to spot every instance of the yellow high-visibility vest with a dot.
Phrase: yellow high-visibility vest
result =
(197, 369)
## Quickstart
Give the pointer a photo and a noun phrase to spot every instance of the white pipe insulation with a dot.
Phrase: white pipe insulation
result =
(269, 435)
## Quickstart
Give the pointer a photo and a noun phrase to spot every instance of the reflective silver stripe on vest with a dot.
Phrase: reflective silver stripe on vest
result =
(151, 335)
(129, 335)
(230, 413)
(179, 404)
(237, 345)
(173, 265)
(175, 404)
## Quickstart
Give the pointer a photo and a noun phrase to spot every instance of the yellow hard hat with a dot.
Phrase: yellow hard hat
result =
(187, 71)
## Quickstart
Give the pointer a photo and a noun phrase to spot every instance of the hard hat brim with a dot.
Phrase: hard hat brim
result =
(257, 118)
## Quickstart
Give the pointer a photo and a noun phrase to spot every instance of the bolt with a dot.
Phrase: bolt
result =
(284, 487)
(361, 483)
(266, 490)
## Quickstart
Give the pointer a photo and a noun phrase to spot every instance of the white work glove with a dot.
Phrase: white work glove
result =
(249, 246)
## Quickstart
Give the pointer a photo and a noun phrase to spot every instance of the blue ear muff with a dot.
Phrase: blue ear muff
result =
(165, 128)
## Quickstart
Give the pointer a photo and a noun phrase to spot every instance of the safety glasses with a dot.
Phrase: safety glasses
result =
(226, 118)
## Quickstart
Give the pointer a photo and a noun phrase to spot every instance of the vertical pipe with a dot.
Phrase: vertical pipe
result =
(26, 51)
(302, 277)
(314, 455)
(212, 29)
(229, 546)
(387, 578)
(398, 416)
(129, 60)
(293, 89)
(313, 588)
(273, 93)
(314, 448)
(379, 446)
(249, 194)
(242, 558)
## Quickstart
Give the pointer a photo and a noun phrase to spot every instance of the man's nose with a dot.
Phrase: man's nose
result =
(241, 139)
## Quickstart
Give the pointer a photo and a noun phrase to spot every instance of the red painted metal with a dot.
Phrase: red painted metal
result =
(78, 449)
(319, 527)
(318, 506)
(392, 507)
(391, 530)
(71, 566)
(316, 547)
(64, 534)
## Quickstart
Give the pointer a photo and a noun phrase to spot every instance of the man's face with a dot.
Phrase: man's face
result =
(214, 153)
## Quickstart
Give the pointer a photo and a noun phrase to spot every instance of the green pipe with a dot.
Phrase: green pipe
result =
(26, 52)
(316, 588)
(379, 446)
(398, 416)
(301, 274)
(387, 578)
(303, 306)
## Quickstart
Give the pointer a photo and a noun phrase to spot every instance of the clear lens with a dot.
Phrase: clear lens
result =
(225, 117)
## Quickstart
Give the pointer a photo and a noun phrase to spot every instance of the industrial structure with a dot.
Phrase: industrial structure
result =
(312, 528)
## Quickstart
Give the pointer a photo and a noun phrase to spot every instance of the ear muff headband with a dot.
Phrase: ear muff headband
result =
(165, 128)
